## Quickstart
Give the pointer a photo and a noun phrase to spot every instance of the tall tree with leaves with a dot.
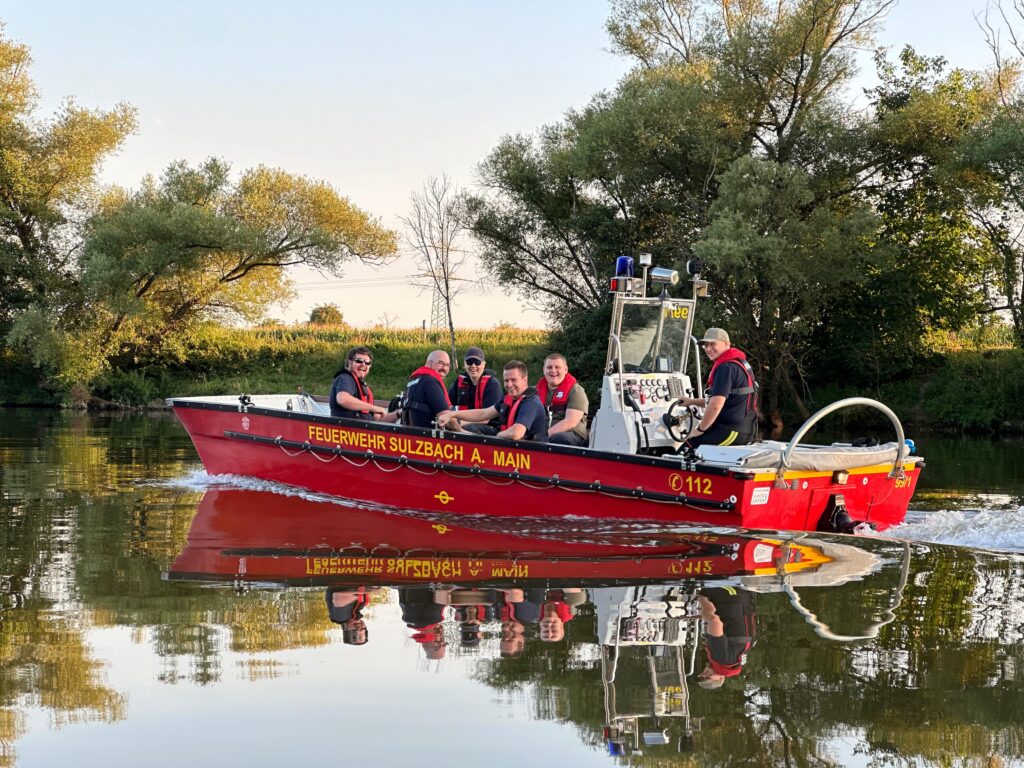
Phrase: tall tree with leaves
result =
(724, 95)
(992, 160)
(47, 171)
(194, 245)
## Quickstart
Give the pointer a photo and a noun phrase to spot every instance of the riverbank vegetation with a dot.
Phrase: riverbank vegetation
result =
(216, 359)
(853, 238)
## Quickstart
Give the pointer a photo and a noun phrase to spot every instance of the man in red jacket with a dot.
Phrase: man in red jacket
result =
(730, 402)
(566, 402)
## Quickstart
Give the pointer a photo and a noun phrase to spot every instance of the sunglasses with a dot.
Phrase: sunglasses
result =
(358, 361)
(474, 361)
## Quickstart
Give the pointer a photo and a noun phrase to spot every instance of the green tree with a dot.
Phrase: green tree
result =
(190, 247)
(822, 225)
(326, 314)
(992, 163)
(47, 171)
(723, 95)
(193, 245)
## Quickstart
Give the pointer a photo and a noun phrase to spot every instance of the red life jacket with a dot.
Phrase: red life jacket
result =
(408, 403)
(424, 371)
(464, 386)
(733, 355)
(511, 406)
(363, 391)
(560, 399)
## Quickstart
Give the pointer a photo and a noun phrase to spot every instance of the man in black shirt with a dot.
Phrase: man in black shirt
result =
(521, 414)
(730, 402)
(425, 395)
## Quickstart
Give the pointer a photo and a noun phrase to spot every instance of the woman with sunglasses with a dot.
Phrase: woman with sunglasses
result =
(351, 397)
(477, 387)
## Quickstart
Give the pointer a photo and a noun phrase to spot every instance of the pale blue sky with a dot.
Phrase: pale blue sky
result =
(370, 96)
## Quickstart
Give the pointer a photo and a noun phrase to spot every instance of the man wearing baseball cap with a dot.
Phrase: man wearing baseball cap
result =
(476, 387)
(730, 401)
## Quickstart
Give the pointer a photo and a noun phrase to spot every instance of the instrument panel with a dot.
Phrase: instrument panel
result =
(651, 388)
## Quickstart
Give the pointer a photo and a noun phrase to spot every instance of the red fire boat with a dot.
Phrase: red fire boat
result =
(630, 469)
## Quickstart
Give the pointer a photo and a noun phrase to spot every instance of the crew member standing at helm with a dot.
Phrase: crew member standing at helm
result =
(730, 404)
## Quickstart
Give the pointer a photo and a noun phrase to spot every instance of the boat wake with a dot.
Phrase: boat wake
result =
(201, 480)
(1000, 530)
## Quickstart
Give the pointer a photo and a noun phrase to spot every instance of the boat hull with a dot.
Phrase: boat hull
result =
(240, 535)
(460, 474)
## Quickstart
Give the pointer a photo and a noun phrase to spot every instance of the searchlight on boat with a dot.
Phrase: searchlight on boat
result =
(664, 276)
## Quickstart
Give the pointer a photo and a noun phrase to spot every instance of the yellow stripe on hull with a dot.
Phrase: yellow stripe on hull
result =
(872, 470)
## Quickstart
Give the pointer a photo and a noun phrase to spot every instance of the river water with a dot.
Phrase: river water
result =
(152, 614)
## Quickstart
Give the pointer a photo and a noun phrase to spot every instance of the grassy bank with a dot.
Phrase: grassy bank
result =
(261, 360)
(959, 390)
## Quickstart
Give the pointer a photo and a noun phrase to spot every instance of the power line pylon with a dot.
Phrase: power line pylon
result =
(438, 311)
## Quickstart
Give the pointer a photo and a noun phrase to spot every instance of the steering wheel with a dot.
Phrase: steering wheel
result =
(673, 421)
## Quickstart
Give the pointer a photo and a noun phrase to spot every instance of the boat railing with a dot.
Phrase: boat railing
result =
(614, 338)
(901, 444)
(696, 362)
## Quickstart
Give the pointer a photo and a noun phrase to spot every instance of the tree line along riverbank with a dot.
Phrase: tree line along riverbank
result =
(973, 390)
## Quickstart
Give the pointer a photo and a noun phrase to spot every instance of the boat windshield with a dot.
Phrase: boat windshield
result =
(653, 335)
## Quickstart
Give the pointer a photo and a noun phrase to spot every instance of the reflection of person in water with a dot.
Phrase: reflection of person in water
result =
(523, 605)
(471, 619)
(433, 641)
(345, 607)
(729, 631)
(423, 612)
(513, 638)
(556, 611)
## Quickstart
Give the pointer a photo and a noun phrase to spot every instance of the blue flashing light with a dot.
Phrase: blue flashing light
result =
(624, 266)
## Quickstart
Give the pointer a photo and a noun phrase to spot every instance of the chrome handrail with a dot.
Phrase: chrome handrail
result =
(901, 445)
(618, 363)
(696, 362)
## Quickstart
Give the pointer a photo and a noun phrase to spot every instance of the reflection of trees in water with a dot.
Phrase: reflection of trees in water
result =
(943, 680)
(45, 661)
(82, 547)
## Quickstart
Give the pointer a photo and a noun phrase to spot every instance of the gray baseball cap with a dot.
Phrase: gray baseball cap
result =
(715, 334)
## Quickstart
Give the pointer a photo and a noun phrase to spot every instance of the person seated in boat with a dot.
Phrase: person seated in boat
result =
(729, 632)
(425, 394)
(351, 397)
(730, 405)
(521, 414)
(476, 387)
(566, 401)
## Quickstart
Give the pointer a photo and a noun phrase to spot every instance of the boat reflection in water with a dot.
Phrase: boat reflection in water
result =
(673, 606)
